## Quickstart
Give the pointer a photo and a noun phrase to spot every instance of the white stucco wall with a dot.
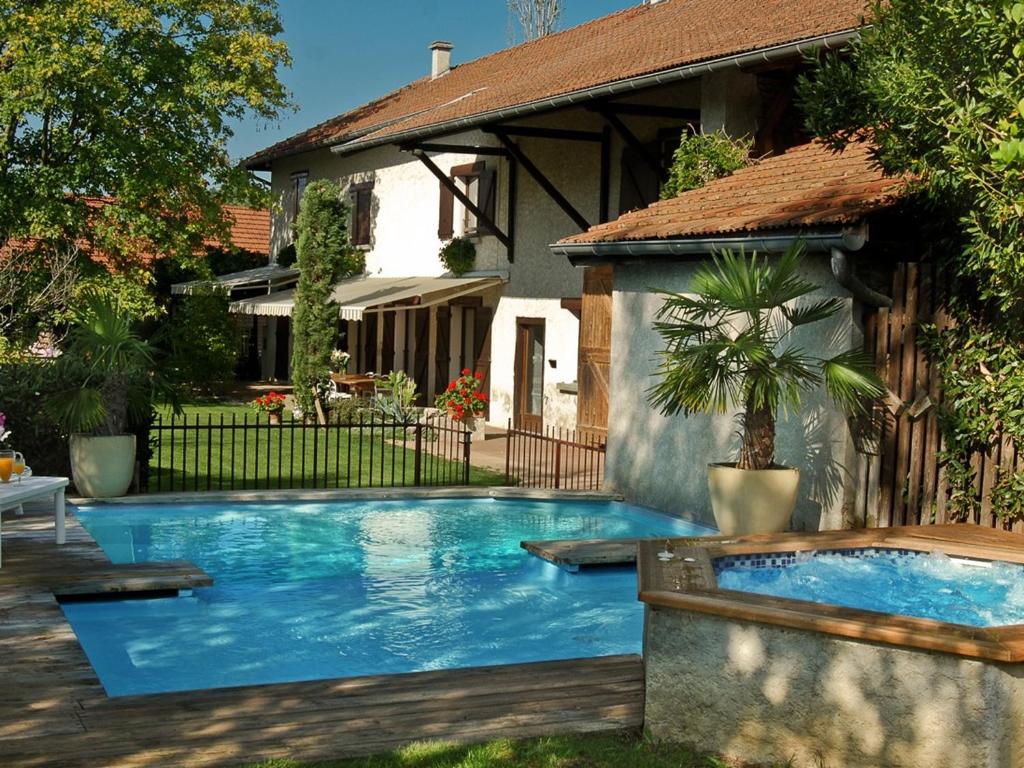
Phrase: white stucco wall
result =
(661, 461)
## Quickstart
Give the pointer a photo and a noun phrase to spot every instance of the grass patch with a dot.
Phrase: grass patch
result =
(590, 751)
(242, 451)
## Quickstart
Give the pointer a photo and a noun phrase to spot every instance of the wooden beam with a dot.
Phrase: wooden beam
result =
(461, 196)
(560, 134)
(649, 110)
(630, 138)
(606, 174)
(573, 305)
(513, 199)
(543, 181)
(455, 149)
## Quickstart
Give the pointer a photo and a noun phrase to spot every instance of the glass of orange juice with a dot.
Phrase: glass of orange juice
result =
(19, 465)
(6, 466)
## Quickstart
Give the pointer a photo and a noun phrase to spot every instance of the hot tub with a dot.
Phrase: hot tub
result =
(822, 653)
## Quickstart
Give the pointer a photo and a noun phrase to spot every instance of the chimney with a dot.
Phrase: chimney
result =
(440, 58)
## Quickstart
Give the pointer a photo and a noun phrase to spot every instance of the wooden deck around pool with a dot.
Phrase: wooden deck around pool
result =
(54, 711)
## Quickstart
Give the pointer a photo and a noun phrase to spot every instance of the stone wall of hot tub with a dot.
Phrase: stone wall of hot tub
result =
(763, 693)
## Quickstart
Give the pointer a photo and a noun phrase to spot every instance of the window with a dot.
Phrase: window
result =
(299, 182)
(477, 182)
(362, 209)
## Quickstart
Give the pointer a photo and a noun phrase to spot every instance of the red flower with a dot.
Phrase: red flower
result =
(466, 371)
(479, 376)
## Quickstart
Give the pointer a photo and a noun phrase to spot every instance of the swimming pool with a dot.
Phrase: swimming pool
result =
(338, 589)
(927, 585)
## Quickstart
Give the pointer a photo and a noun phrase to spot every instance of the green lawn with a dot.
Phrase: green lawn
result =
(235, 454)
(611, 751)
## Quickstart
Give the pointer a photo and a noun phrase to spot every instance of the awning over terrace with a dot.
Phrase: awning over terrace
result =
(359, 295)
(272, 277)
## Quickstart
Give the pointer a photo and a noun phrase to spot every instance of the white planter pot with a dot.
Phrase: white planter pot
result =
(476, 425)
(102, 466)
(746, 501)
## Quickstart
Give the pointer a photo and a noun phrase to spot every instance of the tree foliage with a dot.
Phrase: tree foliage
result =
(730, 346)
(704, 157)
(324, 256)
(938, 87)
(131, 102)
(204, 340)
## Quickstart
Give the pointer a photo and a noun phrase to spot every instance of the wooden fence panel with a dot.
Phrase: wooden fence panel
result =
(905, 484)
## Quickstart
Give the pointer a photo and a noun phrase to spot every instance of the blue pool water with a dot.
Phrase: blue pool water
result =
(325, 590)
(929, 586)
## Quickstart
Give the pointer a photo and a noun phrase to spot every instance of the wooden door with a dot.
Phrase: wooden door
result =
(595, 351)
(529, 373)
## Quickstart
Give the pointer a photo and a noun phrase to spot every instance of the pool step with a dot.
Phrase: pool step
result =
(168, 576)
(571, 554)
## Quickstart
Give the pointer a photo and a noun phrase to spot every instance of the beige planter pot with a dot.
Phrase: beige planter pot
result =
(102, 466)
(748, 501)
(476, 425)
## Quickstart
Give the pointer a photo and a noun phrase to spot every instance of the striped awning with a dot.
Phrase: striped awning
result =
(358, 295)
(270, 277)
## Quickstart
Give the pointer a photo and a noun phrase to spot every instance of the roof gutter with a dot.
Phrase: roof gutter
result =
(837, 243)
(775, 53)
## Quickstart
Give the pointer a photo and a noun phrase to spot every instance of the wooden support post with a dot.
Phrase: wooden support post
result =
(461, 196)
(630, 138)
(543, 181)
(606, 174)
(513, 200)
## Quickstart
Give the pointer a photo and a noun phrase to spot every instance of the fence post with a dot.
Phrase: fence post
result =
(417, 470)
(558, 461)
(508, 453)
(467, 442)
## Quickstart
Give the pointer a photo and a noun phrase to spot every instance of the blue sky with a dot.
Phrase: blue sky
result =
(347, 52)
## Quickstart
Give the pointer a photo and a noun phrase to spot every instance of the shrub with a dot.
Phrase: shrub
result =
(458, 256)
(349, 411)
(704, 157)
(204, 340)
(34, 432)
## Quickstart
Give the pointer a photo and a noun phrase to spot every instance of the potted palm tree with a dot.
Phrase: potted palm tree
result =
(728, 346)
(111, 373)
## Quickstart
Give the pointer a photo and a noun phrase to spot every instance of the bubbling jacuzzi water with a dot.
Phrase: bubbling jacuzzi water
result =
(926, 585)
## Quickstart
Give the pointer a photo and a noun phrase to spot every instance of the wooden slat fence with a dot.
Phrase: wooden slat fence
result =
(553, 458)
(905, 483)
(192, 453)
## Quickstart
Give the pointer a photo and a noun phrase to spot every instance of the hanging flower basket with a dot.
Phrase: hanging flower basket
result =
(464, 402)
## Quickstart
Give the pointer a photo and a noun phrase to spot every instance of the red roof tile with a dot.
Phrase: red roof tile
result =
(635, 42)
(250, 228)
(807, 186)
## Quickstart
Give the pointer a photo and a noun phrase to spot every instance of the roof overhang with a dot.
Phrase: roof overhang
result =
(627, 251)
(271, 277)
(359, 296)
(794, 50)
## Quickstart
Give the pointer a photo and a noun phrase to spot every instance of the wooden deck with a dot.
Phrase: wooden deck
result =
(54, 711)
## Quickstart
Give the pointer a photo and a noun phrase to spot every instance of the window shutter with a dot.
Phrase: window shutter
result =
(446, 214)
(487, 202)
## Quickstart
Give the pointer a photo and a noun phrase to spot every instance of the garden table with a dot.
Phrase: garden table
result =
(14, 494)
(355, 383)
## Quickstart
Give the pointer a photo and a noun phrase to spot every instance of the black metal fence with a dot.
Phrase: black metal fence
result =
(194, 453)
(553, 458)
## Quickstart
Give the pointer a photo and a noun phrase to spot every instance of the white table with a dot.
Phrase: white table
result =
(14, 494)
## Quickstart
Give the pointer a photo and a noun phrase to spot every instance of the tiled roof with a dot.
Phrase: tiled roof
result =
(807, 186)
(635, 42)
(250, 228)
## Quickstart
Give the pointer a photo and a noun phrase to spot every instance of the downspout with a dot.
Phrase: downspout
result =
(842, 269)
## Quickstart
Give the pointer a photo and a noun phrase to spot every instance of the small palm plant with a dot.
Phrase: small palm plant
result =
(112, 370)
(730, 347)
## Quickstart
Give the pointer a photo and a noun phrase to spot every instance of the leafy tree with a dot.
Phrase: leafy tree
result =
(938, 87)
(205, 341)
(325, 256)
(704, 157)
(130, 101)
(730, 346)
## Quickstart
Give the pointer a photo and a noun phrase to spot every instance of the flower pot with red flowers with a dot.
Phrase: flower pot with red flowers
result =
(271, 404)
(465, 403)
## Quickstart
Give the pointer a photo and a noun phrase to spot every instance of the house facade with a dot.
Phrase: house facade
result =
(516, 151)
